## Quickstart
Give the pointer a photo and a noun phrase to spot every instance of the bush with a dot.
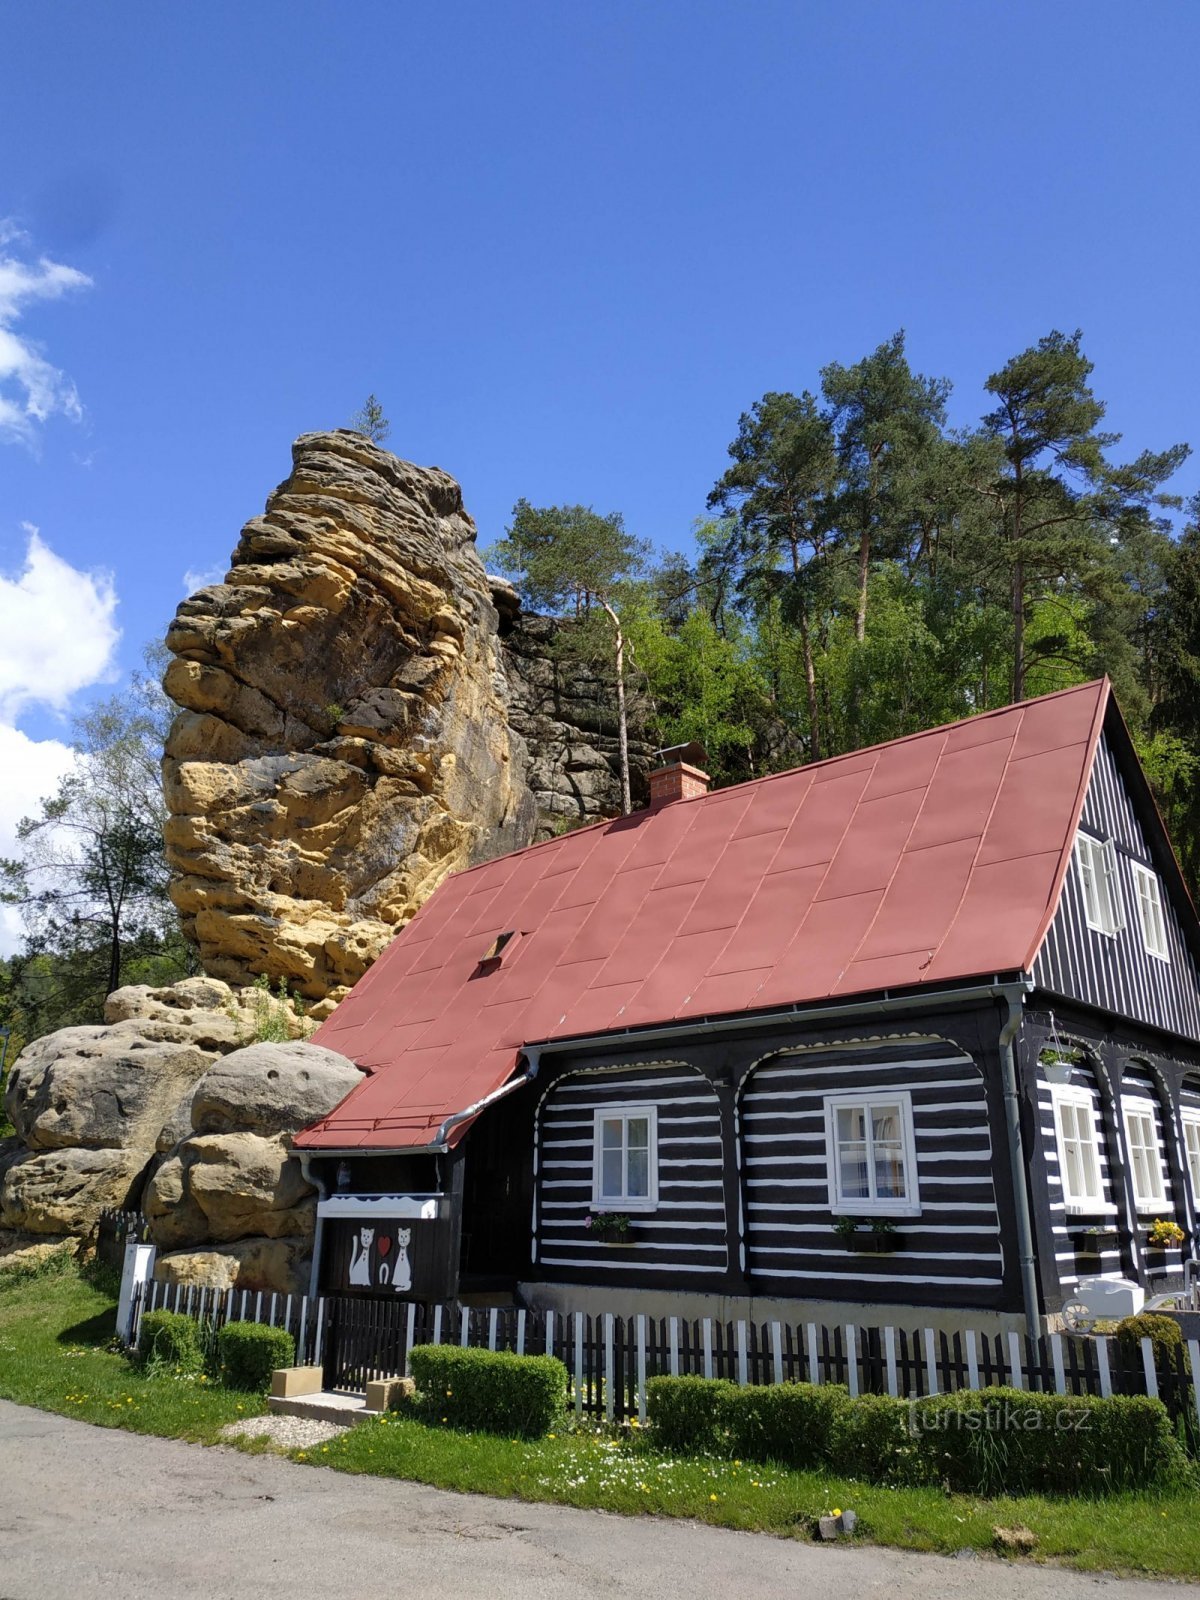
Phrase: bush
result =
(792, 1424)
(170, 1339)
(873, 1439)
(1164, 1333)
(1009, 1441)
(248, 1353)
(687, 1414)
(490, 1390)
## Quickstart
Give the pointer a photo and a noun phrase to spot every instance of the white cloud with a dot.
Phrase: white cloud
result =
(31, 388)
(201, 577)
(58, 631)
(32, 769)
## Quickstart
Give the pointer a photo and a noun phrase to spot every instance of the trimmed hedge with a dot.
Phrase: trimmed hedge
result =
(489, 1390)
(248, 1353)
(171, 1338)
(977, 1442)
(1164, 1334)
(1010, 1440)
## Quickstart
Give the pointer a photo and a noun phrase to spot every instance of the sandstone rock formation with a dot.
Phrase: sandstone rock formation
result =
(344, 739)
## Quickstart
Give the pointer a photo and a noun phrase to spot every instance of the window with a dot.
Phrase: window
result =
(1102, 902)
(1191, 1144)
(1145, 1155)
(1150, 912)
(625, 1158)
(871, 1154)
(1078, 1160)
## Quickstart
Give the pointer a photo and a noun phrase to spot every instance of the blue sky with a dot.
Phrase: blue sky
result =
(565, 243)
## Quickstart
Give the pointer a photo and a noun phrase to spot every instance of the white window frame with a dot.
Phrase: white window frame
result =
(1079, 1204)
(1151, 915)
(1191, 1149)
(1103, 905)
(626, 1112)
(1144, 1109)
(855, 1205)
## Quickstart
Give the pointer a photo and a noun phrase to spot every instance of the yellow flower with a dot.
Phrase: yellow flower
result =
(443, 1419)
(836, 1512)
(552, 1436)
(712, 1497)
(633, 1422)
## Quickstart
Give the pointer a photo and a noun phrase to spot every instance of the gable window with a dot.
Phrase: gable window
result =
(1078, 1158)
(1102, 902)
(1150, 912)
(1191, 1144)
(871, 1154)
(1145, 1155)
(625, 1158)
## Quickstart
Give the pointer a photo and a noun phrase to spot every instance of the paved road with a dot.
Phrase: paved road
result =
(91, 1512)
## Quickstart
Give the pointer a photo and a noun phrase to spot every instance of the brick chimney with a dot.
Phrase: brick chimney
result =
(678, 775)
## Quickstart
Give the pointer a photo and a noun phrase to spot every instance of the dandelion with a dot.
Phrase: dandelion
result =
(713, 1497)
(552, 1436)
(837, 1511)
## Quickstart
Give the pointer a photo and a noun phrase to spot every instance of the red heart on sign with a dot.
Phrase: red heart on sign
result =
(385, 1244)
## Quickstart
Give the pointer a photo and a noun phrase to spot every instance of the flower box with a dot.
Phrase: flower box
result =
(863, 1242)
(1093, 1241)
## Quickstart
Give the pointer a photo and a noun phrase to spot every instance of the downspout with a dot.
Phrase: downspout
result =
(532, 1054)
(322, 1193)
(1014, 999)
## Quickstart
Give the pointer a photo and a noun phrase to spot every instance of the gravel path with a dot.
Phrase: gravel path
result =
(288, 1433)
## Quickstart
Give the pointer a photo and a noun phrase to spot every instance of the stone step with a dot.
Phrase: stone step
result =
(344, 1409)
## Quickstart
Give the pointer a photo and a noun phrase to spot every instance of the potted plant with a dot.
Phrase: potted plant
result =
(868, 1235)
(1164, 1233)
(610, 1227)
(1091, 1242)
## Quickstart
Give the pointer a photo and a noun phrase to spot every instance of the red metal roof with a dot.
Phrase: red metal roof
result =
(933, 858)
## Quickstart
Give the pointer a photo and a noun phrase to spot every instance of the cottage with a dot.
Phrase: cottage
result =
(916, 1029)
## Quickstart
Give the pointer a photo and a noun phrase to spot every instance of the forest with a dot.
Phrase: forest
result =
(864, 570)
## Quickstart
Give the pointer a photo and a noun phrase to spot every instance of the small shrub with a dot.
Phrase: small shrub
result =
(872, 1439)
(489, 1390)
(994, 1441)
(687, 1413)
(248, 1353)
(792, 1424)
(170, 1339)
(1164, 1334)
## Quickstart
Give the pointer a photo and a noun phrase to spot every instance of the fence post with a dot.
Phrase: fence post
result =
(743, 1375)
(492, 1329)
(673, 1337)
(320, 1332)
(520, 1333)
(1015, 1375)
(258, 1306)
(930, 1362)
(852, 1360)
(578, 1362)
(464, 1334)
(1056, 1355)
(437, 1324)
(1102, 1362)
(641, 1367)
(1194, 1352)
(408, 1335)
(302, 1341)
(271, 1318)
(708, 1361)
(972, 1360)
(889, 1350)
(609, 1396)
(550, 1333)
(814, 1365)
(1148, 1369)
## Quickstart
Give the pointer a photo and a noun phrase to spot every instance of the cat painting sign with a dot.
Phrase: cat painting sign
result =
(386, 1245)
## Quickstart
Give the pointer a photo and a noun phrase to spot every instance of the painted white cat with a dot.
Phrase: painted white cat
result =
(360, 1261)
(402, 1276)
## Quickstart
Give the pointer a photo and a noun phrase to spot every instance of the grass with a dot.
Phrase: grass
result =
(55, 1326)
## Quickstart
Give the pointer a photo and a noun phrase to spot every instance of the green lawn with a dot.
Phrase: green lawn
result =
(54, 1329)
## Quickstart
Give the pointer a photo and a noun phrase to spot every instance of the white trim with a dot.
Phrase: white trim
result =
(855, 1206)
(422, 1206)
(1080, 1098)
(1100, 888)
(1148, 890)
(625, 1113)
(1190, 1117)
(1144, 1110)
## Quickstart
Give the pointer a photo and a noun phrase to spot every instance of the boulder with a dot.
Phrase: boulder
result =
(279, 1266)
(225, 1186)
(271, 1089)
(25, 1250)
(64, 1191)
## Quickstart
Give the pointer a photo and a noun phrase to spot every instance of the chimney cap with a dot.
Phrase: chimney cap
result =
(692, 754)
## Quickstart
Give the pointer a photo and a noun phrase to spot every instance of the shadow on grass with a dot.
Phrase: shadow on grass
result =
(97, 1330)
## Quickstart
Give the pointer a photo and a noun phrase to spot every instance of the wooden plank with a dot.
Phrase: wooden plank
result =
(972, 1361)
(550, 1333)
(673, 1326)
(492, 1328)
(852, 1360)
(408, 1334)
(814, 1366)
(889, 1348)
(1194, 1351)
(464, 1333)
(521, 1332)
(1016, 1377)
(437, 1324)
(271, 1318)
(743, 1374)
(609, 1379)
(777, 1352)
(1056, 1355)
(320, 1332)
(708, 1349)
(641, 1367)
(302, 1340)
(578, 1361)
(931, 1376)
(1148, 1368)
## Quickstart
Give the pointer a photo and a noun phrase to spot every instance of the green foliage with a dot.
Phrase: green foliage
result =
(248, 1353)
(170, 1339)
(1164, 1333)
(1011, 1441)
(370, 421)
(272, 1011)
(794, 1424)
(688, 1414)
(872, 1439)
(491, 1390)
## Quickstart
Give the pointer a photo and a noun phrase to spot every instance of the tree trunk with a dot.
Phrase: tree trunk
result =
(622, 723)
(810, 687)
(1018, 612)
(864, 562)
